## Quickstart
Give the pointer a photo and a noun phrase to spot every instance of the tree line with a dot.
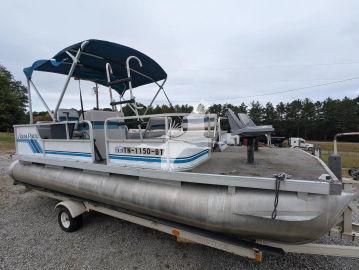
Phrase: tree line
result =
(314, 120)
(318, 120)
(13, 101)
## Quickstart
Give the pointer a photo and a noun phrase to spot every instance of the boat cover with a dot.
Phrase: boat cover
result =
(92, 64)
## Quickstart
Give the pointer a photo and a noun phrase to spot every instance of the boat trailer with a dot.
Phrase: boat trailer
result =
(255, 250)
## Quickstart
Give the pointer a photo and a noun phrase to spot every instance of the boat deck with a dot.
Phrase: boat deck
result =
(268, 161)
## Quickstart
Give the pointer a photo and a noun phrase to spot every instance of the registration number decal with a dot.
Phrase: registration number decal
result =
(139, 150)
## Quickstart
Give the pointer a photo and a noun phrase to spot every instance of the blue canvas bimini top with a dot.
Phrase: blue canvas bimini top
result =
(92, 64)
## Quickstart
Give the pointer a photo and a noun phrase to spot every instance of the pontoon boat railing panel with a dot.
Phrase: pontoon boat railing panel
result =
(41, 146)
(166, 140)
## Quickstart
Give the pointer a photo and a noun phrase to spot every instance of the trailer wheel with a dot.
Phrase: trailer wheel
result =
(67, 222)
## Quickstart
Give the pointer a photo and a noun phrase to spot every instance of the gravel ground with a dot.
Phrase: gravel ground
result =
(30, 238)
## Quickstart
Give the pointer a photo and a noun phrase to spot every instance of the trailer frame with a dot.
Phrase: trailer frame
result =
(183, 233)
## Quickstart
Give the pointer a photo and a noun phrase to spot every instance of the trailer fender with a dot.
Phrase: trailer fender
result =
(75, 208)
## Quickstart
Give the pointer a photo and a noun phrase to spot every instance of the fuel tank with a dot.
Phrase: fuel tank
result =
(242, 212)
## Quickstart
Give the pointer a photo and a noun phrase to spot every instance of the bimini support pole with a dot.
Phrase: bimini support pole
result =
(130, 87)
(29, 99)
(96, 93)
(75, 59)
(108, 73)
(129, 75)
(160, 87)
(42, 100)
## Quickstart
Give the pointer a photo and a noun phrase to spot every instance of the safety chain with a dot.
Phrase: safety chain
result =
(278, 179)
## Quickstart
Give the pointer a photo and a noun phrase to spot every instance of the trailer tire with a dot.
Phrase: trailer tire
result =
(66, 221)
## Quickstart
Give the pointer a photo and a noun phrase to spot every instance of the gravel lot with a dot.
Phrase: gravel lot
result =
(31, 238)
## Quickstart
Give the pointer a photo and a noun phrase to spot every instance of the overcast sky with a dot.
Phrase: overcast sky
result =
(232, 51)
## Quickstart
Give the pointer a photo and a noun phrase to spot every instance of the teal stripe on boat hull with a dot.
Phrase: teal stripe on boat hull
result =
(159, 159)
(65, 153)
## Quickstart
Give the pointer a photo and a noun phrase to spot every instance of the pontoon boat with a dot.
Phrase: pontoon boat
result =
(172, 166)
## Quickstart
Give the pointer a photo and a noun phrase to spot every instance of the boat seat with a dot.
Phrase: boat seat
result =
(55, 130)
(244, 126)
(69, 115)
(246, 120)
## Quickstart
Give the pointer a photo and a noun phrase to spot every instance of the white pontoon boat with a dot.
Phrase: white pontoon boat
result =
(169, 166)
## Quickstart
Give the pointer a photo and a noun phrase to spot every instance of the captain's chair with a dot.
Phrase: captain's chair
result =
(244, 126)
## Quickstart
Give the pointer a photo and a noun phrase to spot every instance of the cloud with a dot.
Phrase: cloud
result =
(209, 49)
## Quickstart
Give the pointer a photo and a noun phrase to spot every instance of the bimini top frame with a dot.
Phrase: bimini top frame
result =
(101, 62)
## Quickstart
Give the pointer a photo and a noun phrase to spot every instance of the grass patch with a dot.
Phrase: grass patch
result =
(6, 137)
(7, 142)
(348, 160)
(342, 146)
(348, 151)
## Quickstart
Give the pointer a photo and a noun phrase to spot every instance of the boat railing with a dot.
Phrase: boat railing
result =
(66, 123)
(168, 125)
(65, 139)
(171, 144)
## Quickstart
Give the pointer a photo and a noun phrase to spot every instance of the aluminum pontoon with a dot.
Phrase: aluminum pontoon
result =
(170, 166)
